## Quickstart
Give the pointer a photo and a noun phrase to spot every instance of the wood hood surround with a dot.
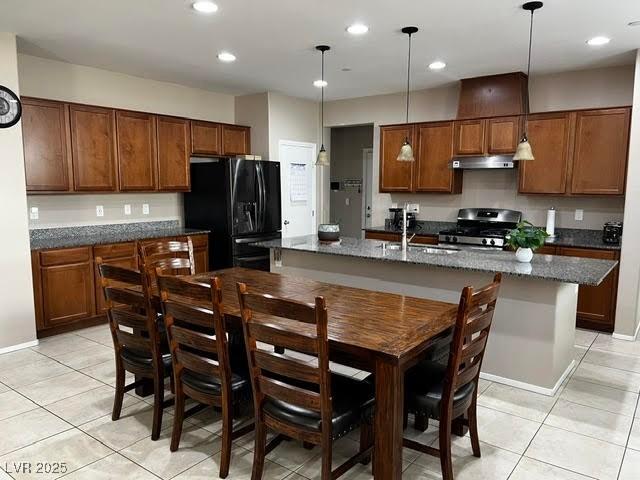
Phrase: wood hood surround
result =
(493, 96)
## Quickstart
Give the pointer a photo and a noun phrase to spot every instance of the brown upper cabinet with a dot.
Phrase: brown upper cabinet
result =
(47, 145)
(174, 151)
(137, 154)
(550, 136)
(600, 152)
(206, 138)
(434, 149)
(236, 140)
(395, 176)
(93, 148)
(577, 153)
(487, 136)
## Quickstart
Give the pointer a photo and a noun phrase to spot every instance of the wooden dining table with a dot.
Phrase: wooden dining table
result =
(379, 332)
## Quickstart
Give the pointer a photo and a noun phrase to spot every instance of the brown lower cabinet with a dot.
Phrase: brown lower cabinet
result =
(67, 290)
(596, 305)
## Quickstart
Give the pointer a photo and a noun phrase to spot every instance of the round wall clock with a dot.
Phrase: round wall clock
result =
(10, 108)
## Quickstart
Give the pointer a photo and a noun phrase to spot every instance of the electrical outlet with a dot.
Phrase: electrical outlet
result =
(579, 215)
(145, 209)
(413, 207)
(99, 211)
(127, 209)
(347, 201)
(34, 214)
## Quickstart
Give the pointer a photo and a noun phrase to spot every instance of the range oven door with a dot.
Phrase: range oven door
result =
(258, 262)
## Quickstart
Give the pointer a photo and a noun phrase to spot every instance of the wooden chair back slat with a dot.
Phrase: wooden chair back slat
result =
(199, 341)
(197, 363)
(172, 257)
(282, 377)
(194, 316)
(178, 266)
(287, 367)
(130, 319)
(279, 390)
(266, 304)
(133, 342)
(276, 335)
(473, 323)
(128, 303)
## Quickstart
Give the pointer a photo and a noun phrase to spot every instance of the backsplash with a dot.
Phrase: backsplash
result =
(89, 230)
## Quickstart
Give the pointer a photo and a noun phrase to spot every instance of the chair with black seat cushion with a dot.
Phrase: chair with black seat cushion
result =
(204, 370)
(296, 399)
(448, 392)
(136, 339)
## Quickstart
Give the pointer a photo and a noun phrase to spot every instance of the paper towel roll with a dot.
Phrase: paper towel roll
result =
(551, 222)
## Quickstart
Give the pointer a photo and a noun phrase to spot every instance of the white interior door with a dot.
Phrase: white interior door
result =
(367, 184)
(298, 171)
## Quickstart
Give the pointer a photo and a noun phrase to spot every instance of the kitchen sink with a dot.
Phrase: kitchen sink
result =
(416, 247)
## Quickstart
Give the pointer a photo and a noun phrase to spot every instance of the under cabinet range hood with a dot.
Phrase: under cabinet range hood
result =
(482, 163)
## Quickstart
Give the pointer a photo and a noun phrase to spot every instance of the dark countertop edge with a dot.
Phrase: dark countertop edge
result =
(613, 265)
(83, 241)
(554, 242)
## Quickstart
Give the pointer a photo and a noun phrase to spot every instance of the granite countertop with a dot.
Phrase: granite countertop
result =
(583, 271)
(45, 238)
(565, 237)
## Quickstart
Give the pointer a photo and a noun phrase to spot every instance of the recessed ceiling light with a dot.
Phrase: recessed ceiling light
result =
(437, 65)
(320, 83)
(634, 24)
(357, 29)
(597, 41)
(226, 57)
(204, 6)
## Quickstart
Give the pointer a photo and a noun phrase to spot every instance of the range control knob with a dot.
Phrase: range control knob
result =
(454, 239)
(492, 242)
(484, 241)
(447, 238)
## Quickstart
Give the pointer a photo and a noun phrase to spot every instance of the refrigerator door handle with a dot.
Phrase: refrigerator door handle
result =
(262, 197)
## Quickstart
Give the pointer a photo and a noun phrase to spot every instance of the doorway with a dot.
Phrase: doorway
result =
(351, 167)
(298, 178)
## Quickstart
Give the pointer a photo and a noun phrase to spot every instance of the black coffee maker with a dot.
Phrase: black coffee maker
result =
(612, 233)
(395, 219)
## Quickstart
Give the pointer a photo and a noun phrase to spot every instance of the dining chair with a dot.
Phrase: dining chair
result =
(136, 339)
(202, 364)
(297, 399)
(448, 392)
(170, 256)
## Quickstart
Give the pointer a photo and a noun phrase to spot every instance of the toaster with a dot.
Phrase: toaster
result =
(612, 232)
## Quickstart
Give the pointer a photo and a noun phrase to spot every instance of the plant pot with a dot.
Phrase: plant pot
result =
(524, 255)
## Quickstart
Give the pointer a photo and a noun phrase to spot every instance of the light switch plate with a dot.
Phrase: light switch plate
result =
(34, 213)
(99, 211)
(579, 215)
(145, 209)
(127, 209)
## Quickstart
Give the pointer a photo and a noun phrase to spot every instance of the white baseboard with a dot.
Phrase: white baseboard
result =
(630, 338)
(527, 386)
(20, 346)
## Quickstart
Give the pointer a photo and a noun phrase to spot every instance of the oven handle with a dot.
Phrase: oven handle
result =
(256, 239)
(252, 259)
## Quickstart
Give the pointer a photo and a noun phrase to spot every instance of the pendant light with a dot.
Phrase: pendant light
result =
(524, 152)
(406, 151)
(323, 156)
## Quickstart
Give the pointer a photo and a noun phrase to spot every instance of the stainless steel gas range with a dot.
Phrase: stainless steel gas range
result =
(483, 228)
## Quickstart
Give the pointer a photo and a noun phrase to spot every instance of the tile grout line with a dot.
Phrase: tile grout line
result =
(624, 453)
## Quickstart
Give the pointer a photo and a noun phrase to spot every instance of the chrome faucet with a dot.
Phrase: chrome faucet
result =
(405, 241)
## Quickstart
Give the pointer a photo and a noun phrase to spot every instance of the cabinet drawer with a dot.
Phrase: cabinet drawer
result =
(199, 240)
(386, 237)
(115, 250)
(425, 239)
(65, 256)
(588, 253)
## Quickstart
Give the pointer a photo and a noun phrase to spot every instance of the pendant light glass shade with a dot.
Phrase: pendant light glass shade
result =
(323, 157)
(406, 151)
(524, 151)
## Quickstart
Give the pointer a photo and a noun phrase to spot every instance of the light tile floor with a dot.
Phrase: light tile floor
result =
(55, 406)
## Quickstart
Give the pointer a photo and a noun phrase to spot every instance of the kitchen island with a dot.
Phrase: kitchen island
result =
(532, 339)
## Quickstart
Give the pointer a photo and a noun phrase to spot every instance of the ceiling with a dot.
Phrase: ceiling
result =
(274, 40)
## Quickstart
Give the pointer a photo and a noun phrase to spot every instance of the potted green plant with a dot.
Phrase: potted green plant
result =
(526, 238)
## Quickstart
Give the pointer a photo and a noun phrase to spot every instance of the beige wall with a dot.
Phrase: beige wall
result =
(17, 317)
(291, 118)
(628, 314)
(590, 88)
(253, 110)
(76, 83)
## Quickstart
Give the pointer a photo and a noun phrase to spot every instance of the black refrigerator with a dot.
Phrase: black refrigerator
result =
(239, 201)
